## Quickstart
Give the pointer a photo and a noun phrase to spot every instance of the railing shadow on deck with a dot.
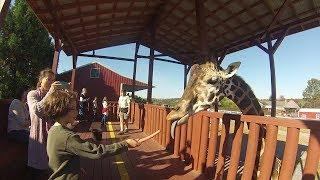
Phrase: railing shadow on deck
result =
(210, 138)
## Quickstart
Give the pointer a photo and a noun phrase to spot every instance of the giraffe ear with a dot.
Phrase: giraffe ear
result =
(232, 69)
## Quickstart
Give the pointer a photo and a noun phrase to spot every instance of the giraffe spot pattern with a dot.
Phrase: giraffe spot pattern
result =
(256, 104)
(235, 82)
(243, 87)
(232, 88)
(244, 103)
(251, 111)
(239, 93)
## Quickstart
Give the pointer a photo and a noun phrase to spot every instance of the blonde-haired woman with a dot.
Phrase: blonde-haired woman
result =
(40, 125)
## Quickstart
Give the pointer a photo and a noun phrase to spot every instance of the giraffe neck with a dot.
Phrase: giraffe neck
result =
(241, 94)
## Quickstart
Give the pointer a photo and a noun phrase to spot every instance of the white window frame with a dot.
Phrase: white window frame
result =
(317, 115)
(92, 77)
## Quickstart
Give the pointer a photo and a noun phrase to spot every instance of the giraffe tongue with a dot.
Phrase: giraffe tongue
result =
(173, 128)
(179, 122)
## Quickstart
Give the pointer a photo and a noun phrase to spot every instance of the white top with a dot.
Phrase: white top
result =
(124, 101)
(18, 116)
(104, 104)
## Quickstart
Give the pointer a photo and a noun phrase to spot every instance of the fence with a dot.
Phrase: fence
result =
(221, 146)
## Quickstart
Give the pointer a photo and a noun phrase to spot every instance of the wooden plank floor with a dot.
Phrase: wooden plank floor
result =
(148, 161)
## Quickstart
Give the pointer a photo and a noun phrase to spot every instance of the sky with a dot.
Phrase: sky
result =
(297, 60)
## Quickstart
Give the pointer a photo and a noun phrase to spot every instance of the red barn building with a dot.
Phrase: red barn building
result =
(100, 81)
(309, 113)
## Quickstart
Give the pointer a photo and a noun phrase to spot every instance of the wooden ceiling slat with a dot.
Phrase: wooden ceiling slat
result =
(57, 21)
(108, 28)
(129, 11)
(174, 22)
(251, 13)
(106, 39)
(99, 12)
(81, 19)
(94, 22)
(230, 12)
(110, 33)
(293, 9)
(82, 4)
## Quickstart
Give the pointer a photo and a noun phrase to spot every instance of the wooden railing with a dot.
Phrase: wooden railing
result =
(221, 146)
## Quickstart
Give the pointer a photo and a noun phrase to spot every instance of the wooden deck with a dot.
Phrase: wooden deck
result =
(148, 161)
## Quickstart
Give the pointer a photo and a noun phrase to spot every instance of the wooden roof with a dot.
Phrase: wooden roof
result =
(232, 25)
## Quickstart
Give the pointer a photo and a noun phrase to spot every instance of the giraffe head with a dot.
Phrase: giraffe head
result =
(204, 88)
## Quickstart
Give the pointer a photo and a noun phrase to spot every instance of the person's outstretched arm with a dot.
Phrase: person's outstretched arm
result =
(83, 148)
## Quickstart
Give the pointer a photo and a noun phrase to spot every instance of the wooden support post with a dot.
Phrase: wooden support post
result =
(202, 29)
(185, 76)
(57, 49)
(273, 78)
(74, 67)
(151, 62)
(150, 76)
(135, 68)
(4, 7)
(270, 51)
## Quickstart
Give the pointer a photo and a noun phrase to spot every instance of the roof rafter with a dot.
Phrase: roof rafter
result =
(57, 21)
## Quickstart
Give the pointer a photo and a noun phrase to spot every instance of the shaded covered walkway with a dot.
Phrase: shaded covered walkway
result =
(148, 161)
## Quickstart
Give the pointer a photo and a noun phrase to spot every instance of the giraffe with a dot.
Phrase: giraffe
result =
(208, 84)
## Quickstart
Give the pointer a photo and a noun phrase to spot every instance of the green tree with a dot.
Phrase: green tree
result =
(311, 94)
(25, 49)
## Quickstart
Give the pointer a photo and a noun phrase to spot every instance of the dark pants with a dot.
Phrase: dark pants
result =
(37, 174)
(20, 136)
(104, 119)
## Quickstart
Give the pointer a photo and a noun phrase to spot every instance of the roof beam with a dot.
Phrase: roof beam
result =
(107, 57)
(57, 21)
(160, 59)
(276, 16)
(291, 30)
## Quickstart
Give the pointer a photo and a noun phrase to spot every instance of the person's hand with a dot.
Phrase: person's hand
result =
(132, 143)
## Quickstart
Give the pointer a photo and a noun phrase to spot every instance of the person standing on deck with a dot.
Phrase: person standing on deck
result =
(40, 125)
(123, 112)
(105, 111)
(84, 105)
(95, 108)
